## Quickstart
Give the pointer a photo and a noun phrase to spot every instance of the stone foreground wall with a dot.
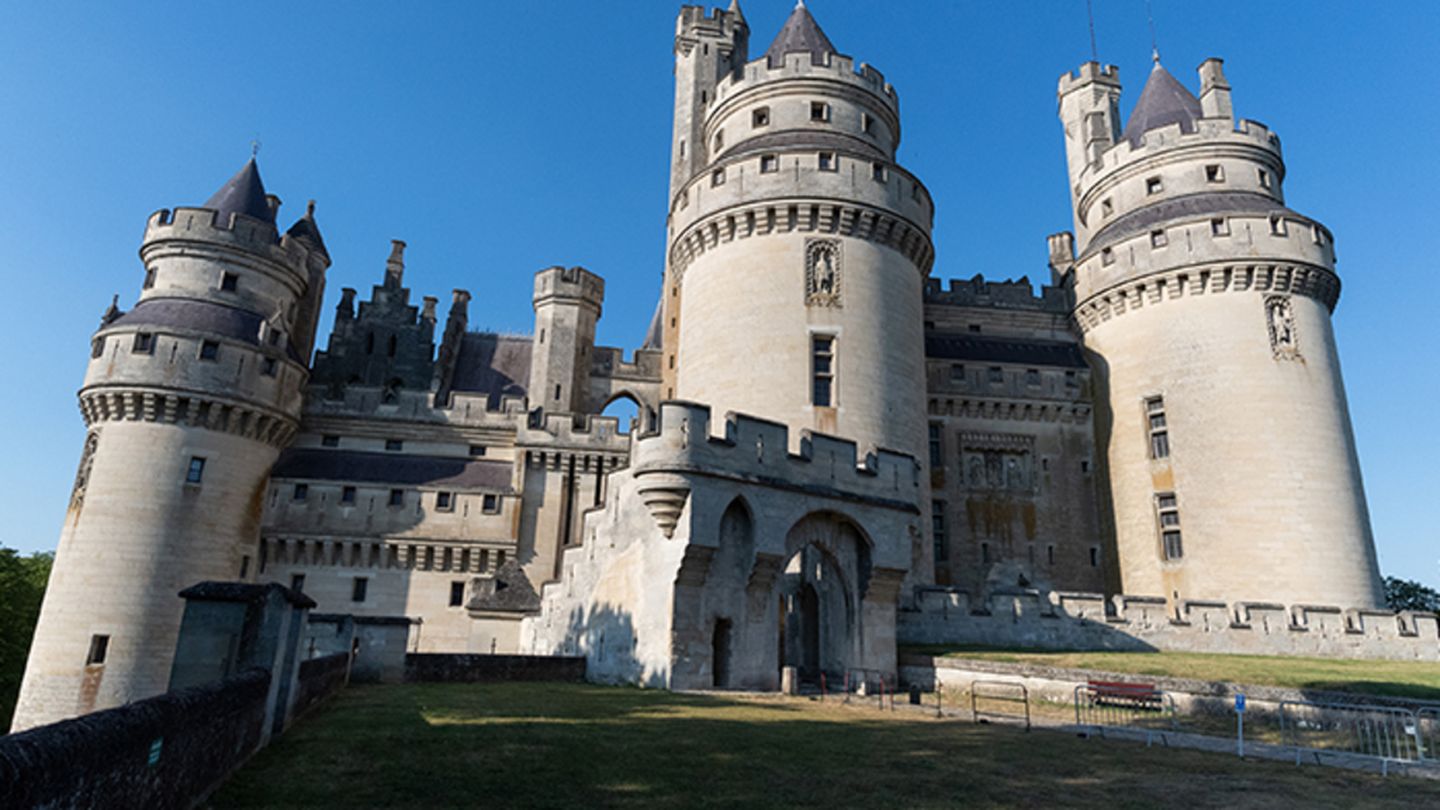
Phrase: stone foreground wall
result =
(470, 668)
(1081, 621)
(167, 751)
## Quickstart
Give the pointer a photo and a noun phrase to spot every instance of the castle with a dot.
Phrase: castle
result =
(823, 431)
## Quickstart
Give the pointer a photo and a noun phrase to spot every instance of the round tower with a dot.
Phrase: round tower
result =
(1204, 303)
(188, 398)
(798, 249)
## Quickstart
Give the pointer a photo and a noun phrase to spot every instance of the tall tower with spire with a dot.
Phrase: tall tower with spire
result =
(1204, 304)
(188, 399)
(798, 245)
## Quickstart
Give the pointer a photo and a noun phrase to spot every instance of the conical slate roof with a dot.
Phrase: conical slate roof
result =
(800, 34)
(1164, 101)
(242, 194)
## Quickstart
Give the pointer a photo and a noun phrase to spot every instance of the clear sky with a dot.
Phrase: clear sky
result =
(500, 138)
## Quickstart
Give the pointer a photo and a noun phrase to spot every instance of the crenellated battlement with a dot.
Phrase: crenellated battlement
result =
(569, 283)
(574, 431)
(1008, 294)
(240, 231)
(1251, 139)
(1089, 73)
(758, 449)
(1089, 621)
(798, 65)
(609, 361)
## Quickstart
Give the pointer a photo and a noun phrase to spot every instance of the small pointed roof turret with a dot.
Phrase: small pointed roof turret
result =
(800, 34)
(242, 194)
(306, 229)
(1164, 101)
(735, 9)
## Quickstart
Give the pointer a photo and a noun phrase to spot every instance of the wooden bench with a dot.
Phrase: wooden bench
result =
(1129, 695)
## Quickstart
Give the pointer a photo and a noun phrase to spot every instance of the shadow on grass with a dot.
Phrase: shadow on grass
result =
(1322, 691)
(560, 745)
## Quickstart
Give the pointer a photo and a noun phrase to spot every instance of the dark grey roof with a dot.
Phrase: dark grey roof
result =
(1164, 101)
(513, 591)
(799, 34)
(248, 592)
(1188, 206)
(498, 365)
(200, 316)
(655, 333)
(306, 229)
(242, 194)
(1004, 350)
(399, 469)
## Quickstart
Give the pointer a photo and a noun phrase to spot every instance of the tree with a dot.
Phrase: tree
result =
(22, 586)
(1403, 594)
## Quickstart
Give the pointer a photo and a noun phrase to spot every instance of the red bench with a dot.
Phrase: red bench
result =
(1129, 695)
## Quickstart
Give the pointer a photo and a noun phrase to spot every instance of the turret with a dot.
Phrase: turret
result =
(567, 307)
(188, 399)
(1204, 302)
(708, 46)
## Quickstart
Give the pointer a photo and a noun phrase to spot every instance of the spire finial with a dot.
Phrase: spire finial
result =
(799, 3)
(310, 209)
(255, 147)
(1154, 43)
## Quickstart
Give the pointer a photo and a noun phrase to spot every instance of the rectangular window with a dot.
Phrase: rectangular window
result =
(1154, 185)
(877, 172)
(828, 162)
(937, 449)
(347, 495)
(477, 449)
(457, 594)
(1032, 377)
(719, 140)
(1158, 238)
(819, 111)
(769, 163)
(985, 552)
(245, 566)
(1050, 555)
(957, 372)
(1094, 557)
(1174, 550)
(1264, 178)
(717, 178)
(444, 502)
(1107, 207)
(1277, 225)
(996, 374)
(937, 527)
(229, 282)
(357, 591)
(1107, 257)
(268, 366)
(330, 440)
(1167, 516)
(490, 504)
(297, 582)
(397, 497)
(209, 350)
(1071, 381)
(196, 470)
(144, 343)
(1219, 226)
(822, 370)
(302, 491)
(760, 117)
(394, 445)
(867, 124)
(99, 646)
(1159, 431)
(1214, 173)
(149, 278)
(97, 347)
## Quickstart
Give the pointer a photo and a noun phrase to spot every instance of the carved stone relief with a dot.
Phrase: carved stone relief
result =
(82, 476)
(822, 272)
(998, 462)
(1280, 321)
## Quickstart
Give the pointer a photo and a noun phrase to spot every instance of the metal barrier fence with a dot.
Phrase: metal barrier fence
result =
(1427, 731)
(1381, 732)
(1100, 708)
(994, 700)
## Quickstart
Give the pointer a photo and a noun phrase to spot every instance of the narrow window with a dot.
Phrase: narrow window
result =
(302, 491)
(937, 527)
(1277, 225)
(1154, 185)
(937, 450)
(996, 374)
(1219, 226)
(1107, 257)
(717, 177)
(957, 373)
(99, 646)
(1167, 514)
(229, 282)
(1050, 555)
(984, 552)
(1214, 173)
(144, 343)
(1264, 178)
(394, 445)
(370, 343)
(1032, 377)
(877, 172)
(268, 366)
(1094, 557)
(357, 591)
(397, 497)
(1159, 432)
(1107, 207)
(490, 504)
(769, 163)
(457, 594)
(1085, 466)
(499, 558)
(477, 449)
(819, 111)
(245, 566)
(760, 117)
(196, 471)
(149, 278)
(330, 440)
(391, 348)
(719, 140)
(974, 327)
(297, 583)
(444, 502)
(827, 162)
(484, 559)
(347, 495)
(209, 350)
(97, 347)
(867, 124)
(557, 391)
(822, 370)
(1158, 238)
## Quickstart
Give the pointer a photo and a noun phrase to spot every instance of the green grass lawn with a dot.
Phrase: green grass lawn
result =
(1411, 679)
(578, 746)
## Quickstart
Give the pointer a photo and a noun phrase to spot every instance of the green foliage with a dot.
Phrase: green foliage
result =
(22, 586)
(1403, 594)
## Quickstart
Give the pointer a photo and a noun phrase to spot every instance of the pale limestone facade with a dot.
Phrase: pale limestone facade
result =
(832, 452)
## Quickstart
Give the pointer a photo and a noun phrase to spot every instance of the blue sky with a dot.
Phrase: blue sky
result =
(501, 138)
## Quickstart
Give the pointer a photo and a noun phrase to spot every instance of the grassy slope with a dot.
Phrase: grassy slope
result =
(571, 746)
(1413, 679)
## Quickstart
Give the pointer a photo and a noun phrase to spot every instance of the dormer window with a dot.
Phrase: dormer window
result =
(1214, 173)
(760, 117)
(1154, 186)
